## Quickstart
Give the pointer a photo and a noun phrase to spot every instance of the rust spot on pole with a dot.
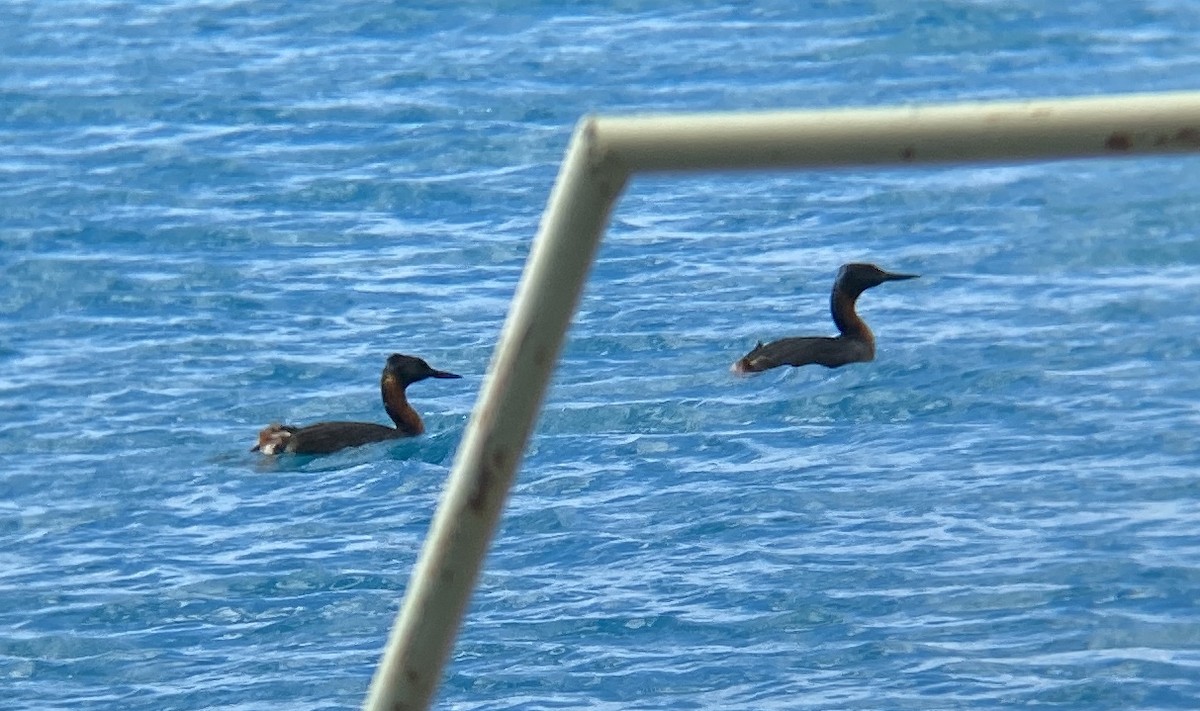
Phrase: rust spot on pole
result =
(1119, 141)
(485, 482)
(484, 477)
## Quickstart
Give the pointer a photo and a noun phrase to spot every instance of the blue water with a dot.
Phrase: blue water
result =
(214, 215)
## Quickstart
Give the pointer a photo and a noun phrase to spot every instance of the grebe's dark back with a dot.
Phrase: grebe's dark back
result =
(327, 437)
(855, 342)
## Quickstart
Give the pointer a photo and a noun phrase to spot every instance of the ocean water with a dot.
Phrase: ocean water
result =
(214, 215)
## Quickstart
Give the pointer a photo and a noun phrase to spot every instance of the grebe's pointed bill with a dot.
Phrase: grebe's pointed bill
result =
(442, 374)
(896, 276)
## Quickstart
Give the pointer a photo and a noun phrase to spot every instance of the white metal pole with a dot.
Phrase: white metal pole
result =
(603, 154)
(494, 442)
(996, 131)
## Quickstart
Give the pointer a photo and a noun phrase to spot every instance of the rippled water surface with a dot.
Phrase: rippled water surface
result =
(220, 214)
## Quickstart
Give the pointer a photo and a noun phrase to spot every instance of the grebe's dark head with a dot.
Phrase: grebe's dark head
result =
(410, 369)
(857, 278)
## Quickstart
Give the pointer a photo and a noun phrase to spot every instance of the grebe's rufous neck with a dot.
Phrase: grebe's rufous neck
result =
(855, 342)
(326, 437)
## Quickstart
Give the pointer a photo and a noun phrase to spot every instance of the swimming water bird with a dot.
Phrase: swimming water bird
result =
(854, 344)
(327, 437)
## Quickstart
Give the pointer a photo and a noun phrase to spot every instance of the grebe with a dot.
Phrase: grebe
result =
(855, 342)
(326, 437)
